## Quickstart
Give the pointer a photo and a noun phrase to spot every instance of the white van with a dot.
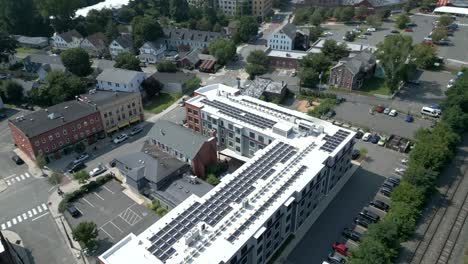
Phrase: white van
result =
(430, 111)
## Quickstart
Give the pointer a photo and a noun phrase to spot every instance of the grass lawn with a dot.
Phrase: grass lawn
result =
(375, 86)
(161, 102)
(26, 50)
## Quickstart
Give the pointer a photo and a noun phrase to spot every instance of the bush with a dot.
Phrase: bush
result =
(161, 211)
(218, 168)
(323, 108)
(81, 176)
(55, 178)
(212, 179)
(166, 66)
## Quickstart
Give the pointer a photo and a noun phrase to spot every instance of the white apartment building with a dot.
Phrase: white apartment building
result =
(301, 165)
(287, 38)
(121, 80)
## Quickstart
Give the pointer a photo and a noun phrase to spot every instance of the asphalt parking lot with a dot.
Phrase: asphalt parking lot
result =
(114, 213)
(355, 195)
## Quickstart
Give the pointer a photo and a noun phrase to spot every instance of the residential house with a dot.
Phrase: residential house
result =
(117, 109)
(183, 37)
(54, 130)
(116, 79)
(123, 43)
(350, 73)
(96, 44)
(28, 86)
(42, 64)
(173, 82)
(194, 58)
(152, 51)
(192, 148)
(67, 40)
(32, 42)
(288, 37)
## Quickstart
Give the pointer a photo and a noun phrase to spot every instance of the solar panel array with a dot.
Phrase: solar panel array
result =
(334, 141)
(266, 205)
(239, 114)
(267, 107)
(218, 205)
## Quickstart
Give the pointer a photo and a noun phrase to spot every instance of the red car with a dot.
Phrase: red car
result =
(379, 109)
(408, 30)
(341, 248)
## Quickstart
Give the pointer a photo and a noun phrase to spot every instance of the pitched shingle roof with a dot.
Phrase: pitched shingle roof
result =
(125, 40)
(173, 77)
(44, 59)
(193, 35)
(68, 36)
(98, 39)
(177, 137)
(361, 62)
(55, 116)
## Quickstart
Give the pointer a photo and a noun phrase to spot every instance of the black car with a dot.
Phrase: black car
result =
(73, 211)
(373, 217)
(375, 139)
(395, 31)
(391, 183)
(362, 221)
(394, 180)
(17, 160)
(330, 114)
(351, 235)
(359, 135)
(388, 186)
(380, 205)
(76, 167)
(2, 115)
(355, 154)
(385, 191)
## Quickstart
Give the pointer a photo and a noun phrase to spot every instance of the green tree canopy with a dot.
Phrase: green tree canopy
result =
(309, 77)
(334, 51)
(151, 86)
(402, 20)
(361, 12)
(316, 18)
(424, 56)
(371, 251)
(319, 62)
(81, 176)
(86, 233)
(248, 27)
(439, 34)
(374, 21)
(178, 10)
(255, 69)
(346, 14)
(166, 66)
(127, 61)
(8, 46)
(61, 87)
(77, 61)
(61, 12)
(145, 29)
(12, 92)
(315, 33)
(258, 57)
(223, 49)
(445, 20)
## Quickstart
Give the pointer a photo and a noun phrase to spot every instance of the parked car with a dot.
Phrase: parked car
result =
(98, 170)
(400, 170)
(336, 258)
(359, 135)
(385, 191)
(120, 138)
(136, 130)
(340, 248)
(73, 211)
(388, 185)
(394, 180)
(76, 167)
(380, 205)
(351, 235)
(382, 141)
(392, 183)
(409, 118)
(17, 160)
(394, 31)
(408, 30)
(411, 24)
(328, 33)
(330, 114)
(393, 112)
(404, 161)
(386, 110)
(2, 115)
(415, 82)
(379, 109)
(366, 136)
(371, 29)
(362, 221)
(368, 33)
(81, 158)
(370, 215)
(362, 36)
(355, 154)
(375, 139)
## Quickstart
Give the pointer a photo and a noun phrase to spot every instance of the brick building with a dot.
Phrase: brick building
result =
(350, 73)
(54, 131)
(285, 59)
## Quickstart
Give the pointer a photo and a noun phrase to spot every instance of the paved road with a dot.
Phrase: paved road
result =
(356, 194)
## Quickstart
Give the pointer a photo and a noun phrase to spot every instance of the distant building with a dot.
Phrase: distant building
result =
(152, 51)
(288, 37)
(173, 82)
(42, 64)
(255, 8)
(32, 42)
(350, 73)
(67, 40)
(197, 150)
(262, 8)
(52, 131)
(177, 37)
(117, 109)
(372, 4)
(116, 79)
(124, 43)
(96, 44)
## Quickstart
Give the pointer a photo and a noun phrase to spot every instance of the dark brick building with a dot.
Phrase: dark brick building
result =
(350, 73)
(51, 132)
(285, 59)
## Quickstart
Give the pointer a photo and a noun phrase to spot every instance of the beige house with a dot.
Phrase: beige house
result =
(117, 109)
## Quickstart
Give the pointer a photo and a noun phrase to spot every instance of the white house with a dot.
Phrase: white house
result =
(288, 38)
(124, 43)
(120, 80)
(152, 51)
(67, 40)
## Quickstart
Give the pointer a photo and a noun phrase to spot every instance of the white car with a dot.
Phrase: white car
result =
(81, 158)
(362, 37)
(428, 39)
(120, 138)
(393, 112)
(400, 170)
(371, 30)
(366, 136)
(328, 33)
(386, 111)
(404, 161)
(98, 170)
(450, 85)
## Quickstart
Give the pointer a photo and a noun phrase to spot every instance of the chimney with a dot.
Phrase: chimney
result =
(63, 119)
(238, 83)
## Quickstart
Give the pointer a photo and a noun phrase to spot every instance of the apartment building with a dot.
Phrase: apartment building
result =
(261, 8)
(301, 165)
(116, 79)
(235, 7)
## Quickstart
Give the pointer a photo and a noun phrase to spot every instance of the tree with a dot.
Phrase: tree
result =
(424, 56)
(21, 17)
(166, 66)
(363, 152)
(309, 77)
(334, 51)
(302, 15)
(161, 211)
(178, 10)
(80, 147)
(86, 233)
(12, 92)
(111, 31)
(61, 87)
(439, 34)
(317, 18)
(384, 13)
(456, 118)
(204, 24)
(223, 49)
(405, 217)
(372, 251)
(151, 86)
(81, 176)
(40, 161)
(315, 33)
(319, 62)
(402, 20)
(55, 178)
(127, 61)
(255, 69)
(258, 57)
(346, 14)
(361, 12)
(374, 21)
(192, 84)
(419, 176)
(77, 61)
(145, 29)
(61, 12)
(126, 14)
(212, 179)
(409, 194)
(248, 27)
(8, 46)
(445, 20)
(393, 53)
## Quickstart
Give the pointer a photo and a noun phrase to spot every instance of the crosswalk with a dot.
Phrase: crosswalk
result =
(16, 179)
(39, 210)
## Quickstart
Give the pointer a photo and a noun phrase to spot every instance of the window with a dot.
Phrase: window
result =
(51, 137)
(230, 143)
(85, 123)
(189, 110)
(91, 121)
(46, 149)
(252, 144)
(195, 112)
(237, 130)
(78, 126)
(67, 140)
(238, 149)
(252, 135)
(230, 126)
(237, 140)
(231, 135)
(195, 120)
(60, 143)
(37, 143)
(57, 135)
(190, 118)
(260, 138)
(54, 146)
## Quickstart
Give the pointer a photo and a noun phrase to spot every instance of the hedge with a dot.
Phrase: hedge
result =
(432, 153)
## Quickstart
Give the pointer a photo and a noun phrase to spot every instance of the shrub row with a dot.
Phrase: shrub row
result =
(432, 153)
(317, 94)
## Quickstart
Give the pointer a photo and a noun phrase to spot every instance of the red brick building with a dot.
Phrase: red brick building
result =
(350, 73)
(285, 59)
(54, 131)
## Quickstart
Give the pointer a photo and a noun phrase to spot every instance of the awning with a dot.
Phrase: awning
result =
(124, 124)
(112, 130)
(207, 64)
(136, 119)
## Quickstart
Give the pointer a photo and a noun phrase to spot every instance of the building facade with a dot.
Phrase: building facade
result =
(124, 43)
(351, 73)
(67, 40)
(96, 44)
(180, 37)
(51, 132)
(118, 109)
(287, 38)
(285, 59)
(121, 80)
(262, 8)
(254, 210)
(152, 51)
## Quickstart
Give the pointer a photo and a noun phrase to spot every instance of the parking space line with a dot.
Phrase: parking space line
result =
(8, 223)
(84, 199)
(112, 223)
(34, 219)
(14, 221)
(29, 213)
(34, 211)
(22, 177)
(98, 196)
(44, 206)
(19, 219)
(17, 178)
(39, 209)
(107, 233)
(25, 216)
(27, 175)
(105, 187)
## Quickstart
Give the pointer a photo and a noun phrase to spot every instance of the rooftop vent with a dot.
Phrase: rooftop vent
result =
(53, 116)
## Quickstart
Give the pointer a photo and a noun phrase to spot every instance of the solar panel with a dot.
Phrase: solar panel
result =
(332, 142)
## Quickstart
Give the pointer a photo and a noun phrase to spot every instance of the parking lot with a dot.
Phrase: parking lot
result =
(361, 188)
(114, 213)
